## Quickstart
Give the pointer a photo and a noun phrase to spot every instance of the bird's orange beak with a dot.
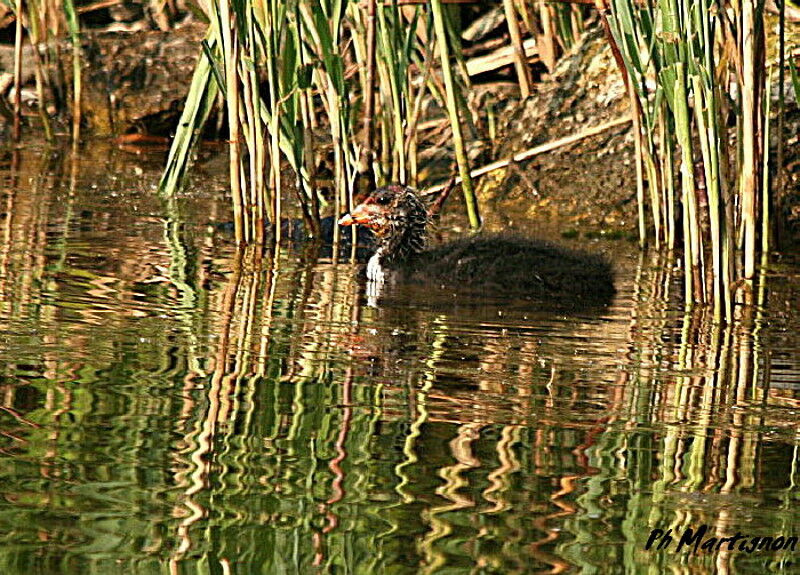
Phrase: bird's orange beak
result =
(363, 215)
(346, 220)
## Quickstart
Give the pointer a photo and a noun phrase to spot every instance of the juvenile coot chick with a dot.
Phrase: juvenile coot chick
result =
(497, 265)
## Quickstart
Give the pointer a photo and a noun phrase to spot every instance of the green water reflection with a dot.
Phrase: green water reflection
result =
(170, 406)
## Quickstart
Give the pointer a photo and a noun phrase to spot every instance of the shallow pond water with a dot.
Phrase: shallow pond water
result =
(169, 406)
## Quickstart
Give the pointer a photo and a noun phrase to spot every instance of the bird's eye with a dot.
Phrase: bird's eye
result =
(383, 200)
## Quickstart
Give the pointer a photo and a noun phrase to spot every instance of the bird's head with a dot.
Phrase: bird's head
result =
(397, 216)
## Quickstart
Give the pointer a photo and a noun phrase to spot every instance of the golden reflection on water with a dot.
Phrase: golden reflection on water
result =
(240, 412)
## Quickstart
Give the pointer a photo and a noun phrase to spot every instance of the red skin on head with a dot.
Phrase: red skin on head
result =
(367, 213)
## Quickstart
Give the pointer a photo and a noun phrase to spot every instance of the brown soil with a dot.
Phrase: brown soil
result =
(587, 187)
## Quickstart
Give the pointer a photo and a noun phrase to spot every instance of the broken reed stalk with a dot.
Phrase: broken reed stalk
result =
(227, 31)
(706, 118)
(667, 137)
(766, 200)
(393, 86)
(304, 149)
(546, 40)
(73, 26)
(749, 101)
(37, 28)
(452, 110)
(638, 161)
(781, 97)
(692, 245)
(365, 166)
(273, 14)
(18, 72)
(254, 141)
(537, 150)
(412, 131)
(520, 61)
(203, 92)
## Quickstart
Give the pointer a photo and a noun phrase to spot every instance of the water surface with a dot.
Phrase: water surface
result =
(171, 406)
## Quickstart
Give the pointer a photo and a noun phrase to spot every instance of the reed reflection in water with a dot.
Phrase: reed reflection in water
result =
(170, 405)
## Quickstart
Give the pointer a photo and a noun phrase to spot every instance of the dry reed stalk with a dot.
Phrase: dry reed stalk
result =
(520, 61)
(542, 149)
(638, 159)
(230, 49)
(18, 72)
(749, 170)
(73, 26)
(369, 95)
(545, 40)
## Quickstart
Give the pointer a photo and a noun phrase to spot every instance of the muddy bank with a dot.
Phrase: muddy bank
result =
(588, 186)
(132, 81)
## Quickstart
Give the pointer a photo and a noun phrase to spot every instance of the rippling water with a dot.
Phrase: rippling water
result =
(169, 406)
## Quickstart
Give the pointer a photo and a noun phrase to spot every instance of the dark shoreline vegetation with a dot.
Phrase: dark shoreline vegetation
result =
(187, 388)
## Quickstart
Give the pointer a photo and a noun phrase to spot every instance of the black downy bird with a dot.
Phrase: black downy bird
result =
(497, 265)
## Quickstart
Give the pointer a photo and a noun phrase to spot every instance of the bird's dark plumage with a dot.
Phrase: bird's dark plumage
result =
(492, 265)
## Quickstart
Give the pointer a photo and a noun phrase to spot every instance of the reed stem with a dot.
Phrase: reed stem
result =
(367, 153)
(231, 52)
(77, 84)
(452, 110)
(520, 60)
(17, 72)
(749, 172)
